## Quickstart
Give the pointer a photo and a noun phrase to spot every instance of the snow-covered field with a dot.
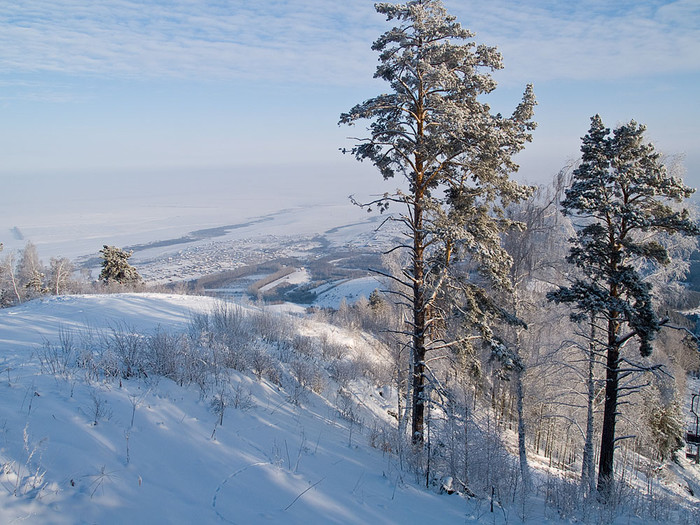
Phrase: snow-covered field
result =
(331, 295)
(143, 451)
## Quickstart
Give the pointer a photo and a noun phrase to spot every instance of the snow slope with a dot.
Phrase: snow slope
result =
(76, 447)
(147, 450)
(330, 295)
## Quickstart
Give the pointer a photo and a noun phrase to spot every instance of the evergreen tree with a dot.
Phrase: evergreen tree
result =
(35, 285)
(455, 156)
(116, 268)
(375, 300)
(621, 195)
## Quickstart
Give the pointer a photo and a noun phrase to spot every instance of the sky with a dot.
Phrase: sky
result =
(92, 93)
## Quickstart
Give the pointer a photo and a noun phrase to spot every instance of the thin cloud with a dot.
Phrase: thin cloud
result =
(328, 41)
(303, 41)
(589, 39)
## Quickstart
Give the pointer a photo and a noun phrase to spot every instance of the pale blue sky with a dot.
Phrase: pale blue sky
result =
(92, 89)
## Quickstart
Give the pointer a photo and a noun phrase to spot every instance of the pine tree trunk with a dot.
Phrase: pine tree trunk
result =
(607, 441)
(418, 387)
(419, 306)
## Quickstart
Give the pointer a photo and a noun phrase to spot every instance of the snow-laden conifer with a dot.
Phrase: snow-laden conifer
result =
(116, 267)
(455, 156)
(622, 198)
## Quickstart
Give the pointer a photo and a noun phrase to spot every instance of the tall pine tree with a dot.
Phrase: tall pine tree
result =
(620, 196)
(455, 156)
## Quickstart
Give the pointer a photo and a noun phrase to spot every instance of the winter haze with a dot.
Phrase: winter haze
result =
(184, 101)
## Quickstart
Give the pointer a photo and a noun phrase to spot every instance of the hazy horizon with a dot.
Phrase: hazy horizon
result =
(102, 103)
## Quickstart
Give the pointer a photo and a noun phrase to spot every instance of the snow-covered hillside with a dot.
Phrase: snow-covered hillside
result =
(131, 408)
(77, 447)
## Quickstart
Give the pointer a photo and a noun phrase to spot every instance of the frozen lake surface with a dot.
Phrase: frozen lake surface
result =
(73, 215)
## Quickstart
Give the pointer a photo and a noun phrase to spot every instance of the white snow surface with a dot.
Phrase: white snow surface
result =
(298, 276)
(332, 294)
(276, 462)
(157, 455)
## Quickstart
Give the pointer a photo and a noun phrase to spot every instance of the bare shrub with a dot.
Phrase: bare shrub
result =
(233, 356)
(242, 399)
(308, 375)
(218, 405)
(342, 371)
(85, 359)
(296, 392)
(56, 359)
(274, 374)
(162, 353)
(107, 363)
(331, 350)
(347, 407)
(381, 372)
(382, 438)
(193, 367)
(128, 347)
(261, 363)
(236, 397)
(199, 324)
(346, 316)
(565, 496)
(99, 408)
(89, 340)
(176, 357)
(304, 345)
(284, 351)
(270, 326)
(228, 321)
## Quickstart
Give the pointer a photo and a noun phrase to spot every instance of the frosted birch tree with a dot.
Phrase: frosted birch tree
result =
(9, 287)
(536, 251)
(621, 196)
(60, 271)
(455, 157)
(30, 273)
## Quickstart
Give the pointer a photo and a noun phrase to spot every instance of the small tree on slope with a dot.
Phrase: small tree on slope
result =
(455, 157)
(60, 271)
(622, 196)
(116, 268)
